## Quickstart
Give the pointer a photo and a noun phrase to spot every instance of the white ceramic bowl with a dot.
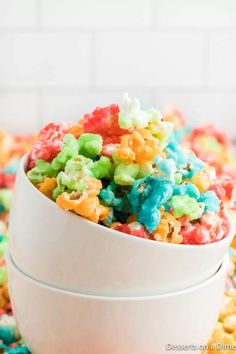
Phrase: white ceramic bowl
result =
(64, 250)
(58, 322)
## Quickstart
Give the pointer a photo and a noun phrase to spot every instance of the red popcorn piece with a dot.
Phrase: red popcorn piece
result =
(228, 186)
(8, 181)
(115, 139)
(49, 143)
(13, 345)
(224, 189)
(225, 226)
(219, 190)
(104, 121)
(2, 312)
(211, 130)
(196, 236)
(207, 150)
(211, 228)
(1, 180)
(134, 229)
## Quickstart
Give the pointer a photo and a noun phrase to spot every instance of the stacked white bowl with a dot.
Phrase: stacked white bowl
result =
(80, 288)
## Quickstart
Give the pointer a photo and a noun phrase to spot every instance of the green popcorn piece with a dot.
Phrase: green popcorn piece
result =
(90, 145)
(3, 246)
(72, 178)
(3, 275)
(145, 170)
(5, 198)
(68, 182)
(178, 178)
(116, 159)
(59, 188)
(79, 166)
(185, 205)
(102, 168)
(69, 149)
(42, 170)
(125, 174)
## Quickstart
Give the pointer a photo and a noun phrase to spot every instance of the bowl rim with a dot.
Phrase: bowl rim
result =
(122, 235)
(221, 270)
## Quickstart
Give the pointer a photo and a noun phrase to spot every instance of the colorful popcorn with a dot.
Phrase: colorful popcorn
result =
(114, 197)
(48, 144)
(125, 168)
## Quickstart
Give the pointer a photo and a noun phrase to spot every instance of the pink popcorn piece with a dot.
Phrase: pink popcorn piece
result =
(224, 188)
(7, 180)
(134, 229)
(210, 228)
(49, 143)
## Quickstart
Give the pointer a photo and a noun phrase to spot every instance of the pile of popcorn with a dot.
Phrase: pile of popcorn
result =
(127, 169)
(120, 157)
(212, 146)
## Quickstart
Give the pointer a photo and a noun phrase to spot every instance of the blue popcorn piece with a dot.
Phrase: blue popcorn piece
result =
(12, 167)
(175, 152)
(186, 188)
(146, 197)
(211, 201)
(7, 334)
(181, 133)
(17, 350)
(188, 164)
(192, 167)
(110, 218)
(167, 169)
(114, 197)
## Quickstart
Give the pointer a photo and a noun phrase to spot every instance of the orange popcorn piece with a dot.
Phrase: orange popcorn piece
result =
(4, 296)
(140, 147)
(131, 218)
(94, 186)
(77, 129)
(168, 229)
(225, 330)
(201, 181)
(85, 204)
(47, 186)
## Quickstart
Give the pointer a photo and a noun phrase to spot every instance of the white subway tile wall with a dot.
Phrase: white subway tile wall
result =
(19, 112)
(91, 13)
(199, 13)
(151, 59)
(60, 58)
(22, 13)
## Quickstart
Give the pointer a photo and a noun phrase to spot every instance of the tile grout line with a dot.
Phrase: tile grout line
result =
(153, 8)
(39, 9)
(104, 89)
(108, 30)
